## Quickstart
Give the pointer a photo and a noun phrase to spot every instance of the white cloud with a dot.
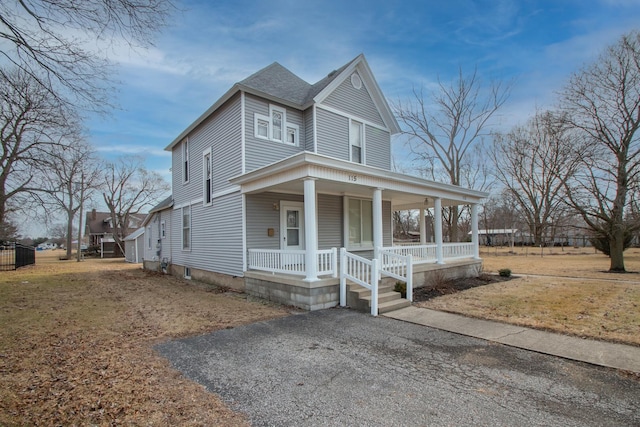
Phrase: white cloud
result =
(133, 149)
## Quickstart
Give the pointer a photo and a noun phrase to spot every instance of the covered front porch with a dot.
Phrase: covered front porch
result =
(300, 212)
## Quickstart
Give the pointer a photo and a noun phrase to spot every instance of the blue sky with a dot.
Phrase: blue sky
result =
(212, 44)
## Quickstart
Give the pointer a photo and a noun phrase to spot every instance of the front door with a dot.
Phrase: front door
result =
(292, 225)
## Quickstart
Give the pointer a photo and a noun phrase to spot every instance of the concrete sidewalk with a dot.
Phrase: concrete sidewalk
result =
(601, 353)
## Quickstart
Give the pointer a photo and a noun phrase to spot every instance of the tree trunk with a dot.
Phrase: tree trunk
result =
(453, 228)
(69, 237)
(616, 249)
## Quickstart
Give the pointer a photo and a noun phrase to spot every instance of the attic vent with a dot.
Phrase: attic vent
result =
(356, 82)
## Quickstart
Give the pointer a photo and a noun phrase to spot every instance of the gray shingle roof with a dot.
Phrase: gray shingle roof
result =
(277, 81)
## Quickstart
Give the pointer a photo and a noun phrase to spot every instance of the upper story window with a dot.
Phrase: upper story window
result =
(206, 176)
(274, 127)
(356, 143)
(185, 160)
(277, 122)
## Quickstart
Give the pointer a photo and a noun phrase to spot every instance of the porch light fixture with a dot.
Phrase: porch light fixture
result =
(276, 207)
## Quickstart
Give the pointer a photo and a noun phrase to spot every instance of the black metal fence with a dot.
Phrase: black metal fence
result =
(15, 255)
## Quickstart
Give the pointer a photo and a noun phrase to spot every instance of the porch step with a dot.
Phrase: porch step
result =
(386, 307)
(359, 298)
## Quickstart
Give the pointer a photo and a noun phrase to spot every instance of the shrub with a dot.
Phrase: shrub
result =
(504, 272)
(402, 288)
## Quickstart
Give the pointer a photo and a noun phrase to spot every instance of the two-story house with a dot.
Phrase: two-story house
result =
(279, 172)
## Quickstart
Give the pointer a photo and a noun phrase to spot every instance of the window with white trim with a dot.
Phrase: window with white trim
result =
(356, 144)
(274, 127)
(206, 176)
(185, 160)
(292, 134)
(359, 220)
(277, 123)
(186, 228)
(149, 238)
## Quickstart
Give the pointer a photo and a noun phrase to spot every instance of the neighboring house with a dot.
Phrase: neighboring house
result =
(157, 247)
(99, 229)
(279, 172)
(134, 246)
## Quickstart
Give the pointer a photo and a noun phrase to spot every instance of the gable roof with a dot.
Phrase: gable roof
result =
(165, 204)
(281, 85)
(133, 236)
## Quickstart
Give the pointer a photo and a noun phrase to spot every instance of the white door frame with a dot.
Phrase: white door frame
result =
(288, 205)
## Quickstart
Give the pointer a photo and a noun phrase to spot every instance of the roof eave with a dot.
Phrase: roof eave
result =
(326, 161)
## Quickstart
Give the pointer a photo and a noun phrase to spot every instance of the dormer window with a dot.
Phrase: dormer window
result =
(275, 127)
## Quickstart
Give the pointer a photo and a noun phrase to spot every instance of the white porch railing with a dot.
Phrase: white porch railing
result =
(399, 267)
(362, 271)
(292, 262)
(423, 254)
(420, 253)
(457, 250)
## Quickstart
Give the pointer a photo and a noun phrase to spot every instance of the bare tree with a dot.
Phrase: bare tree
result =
(602, 102)
(445, 127)
(534, 162)
(129, 189)
(32, 124)
(72, 173)
(61, 44)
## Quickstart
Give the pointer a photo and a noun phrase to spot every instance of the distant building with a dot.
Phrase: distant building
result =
(99, 231)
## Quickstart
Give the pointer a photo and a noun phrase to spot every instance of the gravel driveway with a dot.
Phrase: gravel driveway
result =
(340, 367)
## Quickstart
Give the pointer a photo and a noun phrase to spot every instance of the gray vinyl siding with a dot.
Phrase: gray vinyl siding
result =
(216, 236)
(261, 216)
(377, 148)
(330, 222)
(151, 231)
(260, 152)
(165, 244)
(220, 132)
(333, 134)
(308, 129)
(356, 102)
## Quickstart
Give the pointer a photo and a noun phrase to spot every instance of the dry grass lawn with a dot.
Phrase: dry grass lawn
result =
(76, 338)
(564, 291)
(76, 344)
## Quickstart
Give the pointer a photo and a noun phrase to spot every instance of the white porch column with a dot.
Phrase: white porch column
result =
(437, 228)
(310, 230)
(474, 231)
(423, 227)
(377, 218)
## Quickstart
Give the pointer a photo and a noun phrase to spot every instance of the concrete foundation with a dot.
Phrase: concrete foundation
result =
(325, 293)
(210, 277)
(291, 290)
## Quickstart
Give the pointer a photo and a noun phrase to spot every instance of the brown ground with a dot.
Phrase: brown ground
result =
(566, 291)
(76, 338)
(76, 344)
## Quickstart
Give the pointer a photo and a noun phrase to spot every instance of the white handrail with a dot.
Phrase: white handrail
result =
(399, 267)
(362, 271)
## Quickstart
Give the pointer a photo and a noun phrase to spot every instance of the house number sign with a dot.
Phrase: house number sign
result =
(353, 178)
